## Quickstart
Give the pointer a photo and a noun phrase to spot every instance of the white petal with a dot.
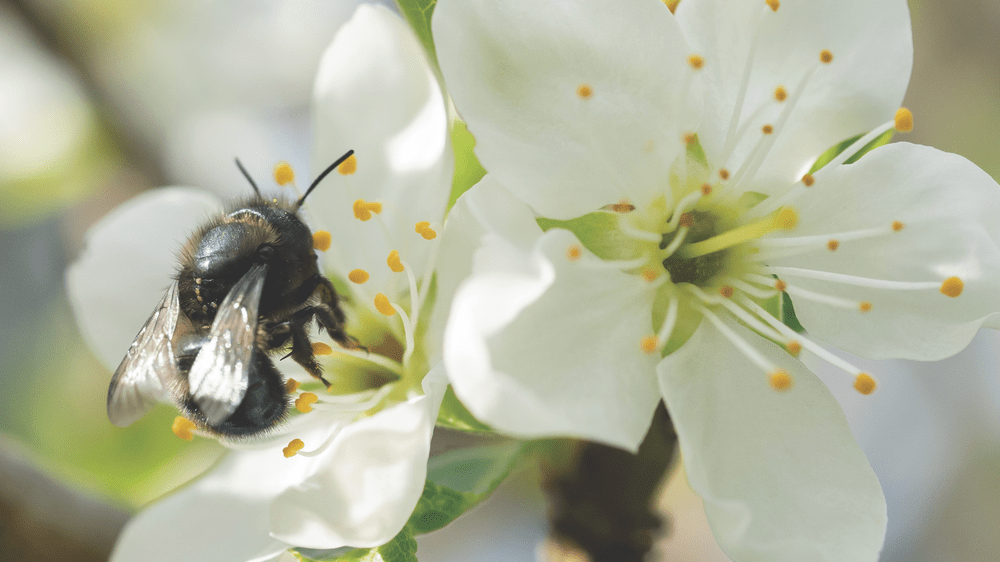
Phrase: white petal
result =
(127, 263)
(486, 208)
(370, 478)
(375, 93)
(949, 209)
(514, 70)
(861, 88)
(538, 345)
(225, 515)
(780, 474)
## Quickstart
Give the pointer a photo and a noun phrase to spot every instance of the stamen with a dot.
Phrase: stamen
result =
(320, 348)
(382, 305)
(294, 446)
(903, 120)
(283, 173)
(748, 351)
(621, 207)
(951, 284)
(584, 91)
(952, 287)
(824, 239)
(349, 166)
(351, 403)
(358, 276)
(683, 206)
(363, 210)
(380, 360)
(830, 300)
(626, 228)
(291, 385)
(424, 229)
(808, 180)
(738, 312)
(726, 291)
(858, 145)
(669, 321)
(865, 306)
(780, 93)
(574, 252)
(304, 402)
(321, 240)
(723, 174)
(864, 384)
(183, 428)
(774, 4)
(741, 94)
(767, 129)
(751, 290)
(825, 56)
(832, 245)
(393, 262)
(677, 241)
(706, 189)
(785, 219)
(649, 344)
(897, 226)
(779, 380)
(793, 348)
(696, 62)
(407, 332)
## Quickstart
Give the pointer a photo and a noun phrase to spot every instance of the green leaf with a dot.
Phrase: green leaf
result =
(475, 470)
(402, 548)
(788, 314)
(454, 415)
(834, 151)
(468, 170)
(418, 15)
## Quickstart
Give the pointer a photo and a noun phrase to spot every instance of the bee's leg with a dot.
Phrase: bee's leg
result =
(302, 352)
(320, 285)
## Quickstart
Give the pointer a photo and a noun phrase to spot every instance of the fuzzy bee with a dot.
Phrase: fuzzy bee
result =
(248, 284)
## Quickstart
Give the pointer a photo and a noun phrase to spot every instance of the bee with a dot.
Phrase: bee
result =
(248, 284)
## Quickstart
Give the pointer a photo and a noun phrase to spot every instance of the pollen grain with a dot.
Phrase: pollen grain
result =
(774, 5)
(321, 240)
(794, 348)
(864, 384)
(574, 252)
(358, 276)
(780, 93)
(904, 120)
(584, 91)
(291, 385)
(320, 348)
(825, 56)
(183, 428)
(897, 226)
(383, 305)
(952, 287)
(294, 446)
(283, 173)
(780, 380)
(393, 262)
(865, 306)
(696, 62)
(649, 344)
(832, 245)
(305, 401)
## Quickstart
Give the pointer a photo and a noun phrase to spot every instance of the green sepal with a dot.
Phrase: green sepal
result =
(599, 233)
(834, 151)
(402, 548)
(468, 170)
(788, 314)
(454, 415)
(418, 15)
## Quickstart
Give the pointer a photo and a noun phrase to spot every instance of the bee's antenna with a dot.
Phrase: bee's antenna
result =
(320, 177)
(246, 174)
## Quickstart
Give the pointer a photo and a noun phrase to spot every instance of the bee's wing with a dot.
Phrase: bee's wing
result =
(219, 375)
(149, 369)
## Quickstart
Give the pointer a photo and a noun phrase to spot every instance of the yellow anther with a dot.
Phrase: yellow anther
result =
(291, 385)
(584, 91)
(767, 129)
(363, 210)
(825, 56)
(794, 348)
(864, 306)
(320, 348)
(952, 287)
(780, 285)
(724, 174)
(726, 291)
(897, 226)
(183, 428)
(780, 380)
(650, 275)
(574, 252)
(649, 344)
(283, 173)
(424, 229)
(808, 180)
(689, 138)
(904, 120)
(349, 166)
(358, 276)
(382, 305)
(393, 262)
(774, 4)
(832, 245)
(321, 240)
(787, 219)
(294, 446)
(687, 219)
(864, 384)
(621, 207)
(696, 62)
(780, 93)
(305, 401)
(706, 190)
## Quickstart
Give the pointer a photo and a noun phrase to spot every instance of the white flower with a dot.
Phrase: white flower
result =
(364, 461)
(667, 157)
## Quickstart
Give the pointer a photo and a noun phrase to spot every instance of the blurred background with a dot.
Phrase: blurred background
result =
(101, 99)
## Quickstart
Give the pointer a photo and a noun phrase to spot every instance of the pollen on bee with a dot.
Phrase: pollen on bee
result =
(687, 219)
(423, 228)
(774, 4)
(283, 173)
(897, 226)
(393, 262)
(291, 385)
(696, 61)
(864, 383)
(904, 120)
(649, 344)
(349, 166)
(780, 380)
(865, 306)
(832, 245)
(382, 305)
(574, 252)
(780, 285)
(726, 291)
(320, 348)
(305, 401)
(952, 287)
(706, 189)
(794, 348)
(767, 129)
(808, 180)
(183, 428)
(321, 240)
(825, 56)
(363, 210)
(294, 446)
(584, 91)
(787, 218)
(724, 174)
(358, 276)
(780, 93)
